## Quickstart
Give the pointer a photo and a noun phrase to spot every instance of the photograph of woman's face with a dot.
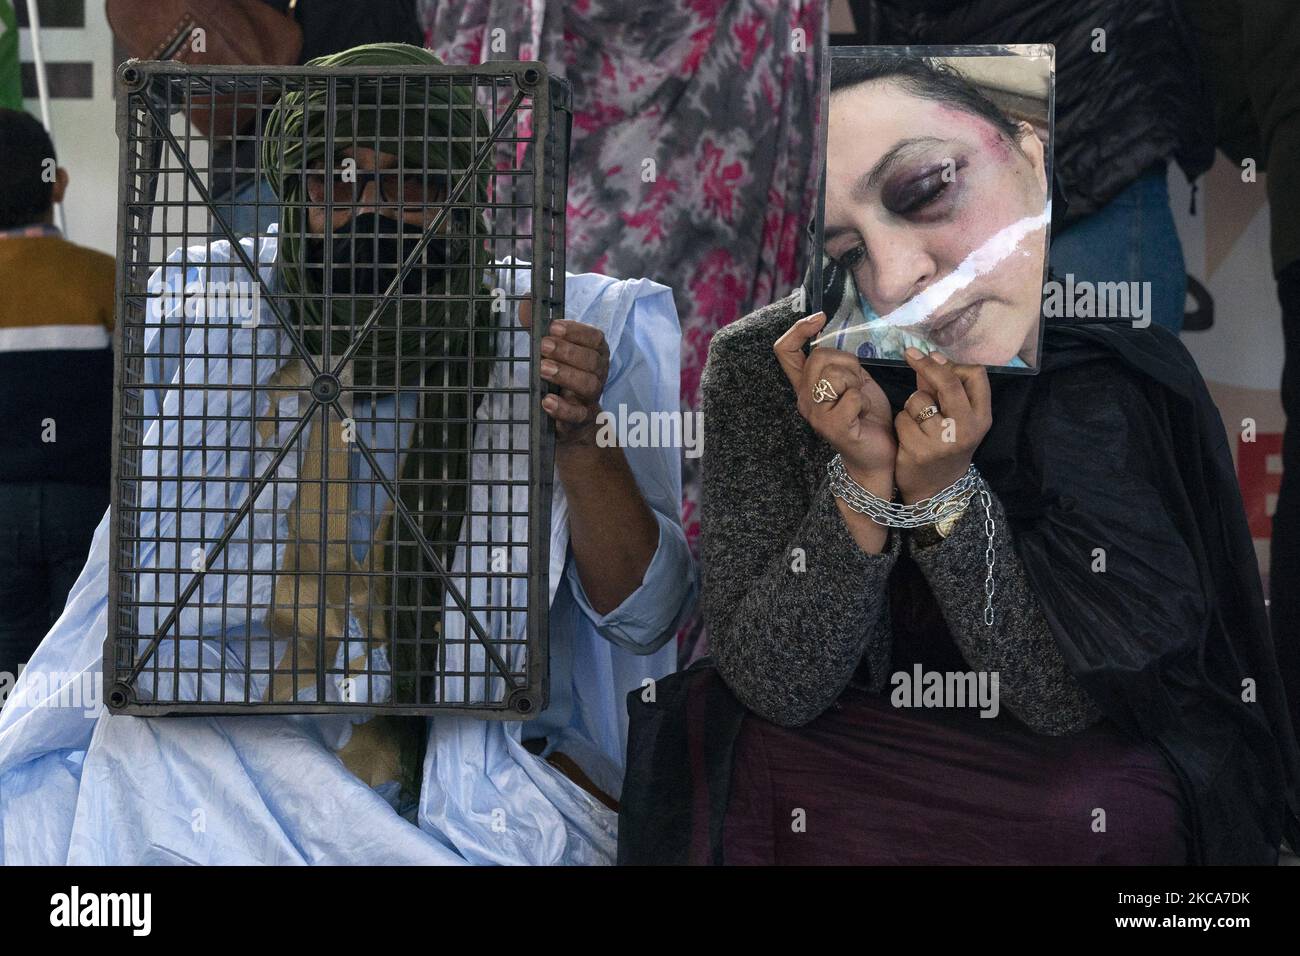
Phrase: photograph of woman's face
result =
(936, 212)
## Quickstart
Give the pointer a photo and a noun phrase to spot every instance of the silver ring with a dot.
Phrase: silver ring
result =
(824, 391)
(926, 413)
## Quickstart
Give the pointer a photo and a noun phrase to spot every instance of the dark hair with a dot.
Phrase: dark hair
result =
(25, 193)
(923, 77)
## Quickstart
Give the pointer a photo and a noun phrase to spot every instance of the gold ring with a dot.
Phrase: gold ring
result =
(926, 413)
(824, 391)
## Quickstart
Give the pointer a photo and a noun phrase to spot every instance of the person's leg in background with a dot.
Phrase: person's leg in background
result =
(1284, 564)
(69, 516)
(1130, 239)
(250, 209)
(24, 587)
(45, 534)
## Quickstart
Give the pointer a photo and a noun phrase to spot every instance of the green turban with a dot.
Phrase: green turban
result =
(438, 130)
(435, 127)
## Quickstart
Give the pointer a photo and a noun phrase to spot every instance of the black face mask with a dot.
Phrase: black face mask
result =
(368, 252)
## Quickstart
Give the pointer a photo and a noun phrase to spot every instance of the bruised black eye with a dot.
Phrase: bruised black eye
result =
(905, 196)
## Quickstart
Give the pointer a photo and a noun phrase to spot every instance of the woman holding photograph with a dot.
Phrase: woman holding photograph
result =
(957, 620)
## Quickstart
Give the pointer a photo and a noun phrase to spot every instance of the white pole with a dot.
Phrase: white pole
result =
(42, 88)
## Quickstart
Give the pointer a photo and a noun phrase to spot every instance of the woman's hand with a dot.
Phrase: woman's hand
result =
(575, 357)
(935, 452)
(858, 422)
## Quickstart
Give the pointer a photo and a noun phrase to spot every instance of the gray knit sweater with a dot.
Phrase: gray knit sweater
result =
(794, 606)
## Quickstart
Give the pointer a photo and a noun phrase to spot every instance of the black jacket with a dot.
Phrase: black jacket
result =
(1140, 103)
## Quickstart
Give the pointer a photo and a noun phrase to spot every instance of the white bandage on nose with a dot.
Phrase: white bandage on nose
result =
(915, 311)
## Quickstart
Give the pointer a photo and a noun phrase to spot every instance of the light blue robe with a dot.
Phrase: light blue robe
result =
(78, 785)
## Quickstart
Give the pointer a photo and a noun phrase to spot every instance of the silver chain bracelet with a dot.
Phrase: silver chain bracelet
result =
(896, 514)
(990, 529)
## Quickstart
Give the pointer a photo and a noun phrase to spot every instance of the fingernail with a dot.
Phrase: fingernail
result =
(549, 368)
(548, 346)
(913, 353)
(939, 357)
(815, 317)
(549, 403)
(556, 328)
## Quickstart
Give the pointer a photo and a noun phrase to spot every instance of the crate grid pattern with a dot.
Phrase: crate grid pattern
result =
(273, 523)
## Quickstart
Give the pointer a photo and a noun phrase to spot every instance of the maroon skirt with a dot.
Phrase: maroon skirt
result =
(868, 783)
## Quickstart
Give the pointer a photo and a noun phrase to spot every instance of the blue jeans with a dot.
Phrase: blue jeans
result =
(1130, 239)
(45, 534)
(245, 218)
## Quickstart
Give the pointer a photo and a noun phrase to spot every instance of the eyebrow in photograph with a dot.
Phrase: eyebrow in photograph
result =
(898, 153)
(831, 233)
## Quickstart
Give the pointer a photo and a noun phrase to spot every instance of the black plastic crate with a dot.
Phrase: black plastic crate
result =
(306, 516)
